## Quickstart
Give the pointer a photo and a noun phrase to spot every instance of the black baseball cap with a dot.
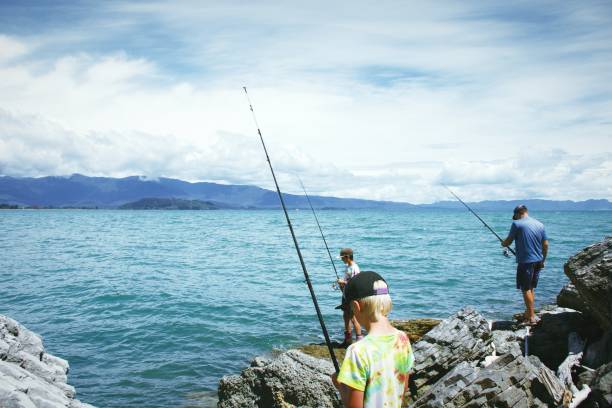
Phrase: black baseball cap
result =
(346, 252)
(518, 210)
(362, 285)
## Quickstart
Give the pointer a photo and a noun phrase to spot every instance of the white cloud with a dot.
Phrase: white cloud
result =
(11, 48)
(33, 146)
(371, 101)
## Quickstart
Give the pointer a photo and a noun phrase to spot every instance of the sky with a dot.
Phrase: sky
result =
(382, 100)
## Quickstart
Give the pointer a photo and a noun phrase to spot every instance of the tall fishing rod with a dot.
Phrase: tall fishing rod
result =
(477, 216)
(295, 242)
(320, 229)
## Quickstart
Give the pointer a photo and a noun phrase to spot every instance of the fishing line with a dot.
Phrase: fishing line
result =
(295, 242)
(320, 229)
(481, 220)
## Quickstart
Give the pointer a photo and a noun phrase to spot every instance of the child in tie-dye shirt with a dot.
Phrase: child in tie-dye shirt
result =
(375, 370)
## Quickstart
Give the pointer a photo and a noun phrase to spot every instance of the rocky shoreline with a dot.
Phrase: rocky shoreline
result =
(29, 376)
(462, 361)
(469, 361)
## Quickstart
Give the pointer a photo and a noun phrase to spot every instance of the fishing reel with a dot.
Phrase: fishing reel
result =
(506, 253)
(335, 286)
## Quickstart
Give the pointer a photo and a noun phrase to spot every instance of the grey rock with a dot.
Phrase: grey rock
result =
(508, 341)
(601, 388)
(549, 339)
(599, 351)
(590, 271)
(585, 377)
(30, 377)
(463, 337)
(510, 381)
(570, 298)
(291, 379)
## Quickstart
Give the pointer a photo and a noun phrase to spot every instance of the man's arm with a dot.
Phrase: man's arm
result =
(507, 242)
(544, 249)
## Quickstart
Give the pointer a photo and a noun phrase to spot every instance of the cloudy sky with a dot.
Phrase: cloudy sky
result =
(382, 100)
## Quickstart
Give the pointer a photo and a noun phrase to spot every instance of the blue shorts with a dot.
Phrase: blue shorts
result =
(527, 275)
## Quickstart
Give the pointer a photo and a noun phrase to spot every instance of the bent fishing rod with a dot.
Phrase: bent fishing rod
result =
(320, 229)
(477, 216)
(295, 242)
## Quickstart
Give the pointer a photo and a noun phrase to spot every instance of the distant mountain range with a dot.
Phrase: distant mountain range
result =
(78, 191)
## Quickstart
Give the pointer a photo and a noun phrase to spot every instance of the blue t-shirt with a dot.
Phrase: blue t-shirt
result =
(528, 234)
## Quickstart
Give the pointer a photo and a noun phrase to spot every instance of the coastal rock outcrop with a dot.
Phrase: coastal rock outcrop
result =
(291, 379)
(465, 336)
(506, 382)
(29, 376)
(590, 272)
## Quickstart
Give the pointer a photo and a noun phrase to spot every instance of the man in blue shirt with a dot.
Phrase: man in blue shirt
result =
(531, 250)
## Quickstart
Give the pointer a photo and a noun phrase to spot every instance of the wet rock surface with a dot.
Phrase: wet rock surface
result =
(30, 377)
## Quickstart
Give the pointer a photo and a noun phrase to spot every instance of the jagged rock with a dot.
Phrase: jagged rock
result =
(463, 337)
(30, 377)
(292, 379)
(508, 341)
(570, 298)
(598, 351)
(508, 382)
(549, 339)
(590, 271)
(601, 388)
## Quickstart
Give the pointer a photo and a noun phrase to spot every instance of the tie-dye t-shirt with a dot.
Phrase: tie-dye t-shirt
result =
(378, 365)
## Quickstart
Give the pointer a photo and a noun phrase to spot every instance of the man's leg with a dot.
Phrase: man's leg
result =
(528, 297)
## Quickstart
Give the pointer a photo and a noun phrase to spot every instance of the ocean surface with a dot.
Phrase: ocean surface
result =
(152, 308)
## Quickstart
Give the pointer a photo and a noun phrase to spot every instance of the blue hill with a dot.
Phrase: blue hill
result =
(105, 192)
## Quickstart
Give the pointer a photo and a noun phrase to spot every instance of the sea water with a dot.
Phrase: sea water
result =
(152, 308)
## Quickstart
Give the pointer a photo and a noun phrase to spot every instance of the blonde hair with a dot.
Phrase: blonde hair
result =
(377, 306)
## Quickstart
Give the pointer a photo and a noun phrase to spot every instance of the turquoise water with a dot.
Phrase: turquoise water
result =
(151, 308)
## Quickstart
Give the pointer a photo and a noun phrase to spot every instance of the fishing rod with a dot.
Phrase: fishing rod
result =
(477, 216)
(295, 242)
(320, 229)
